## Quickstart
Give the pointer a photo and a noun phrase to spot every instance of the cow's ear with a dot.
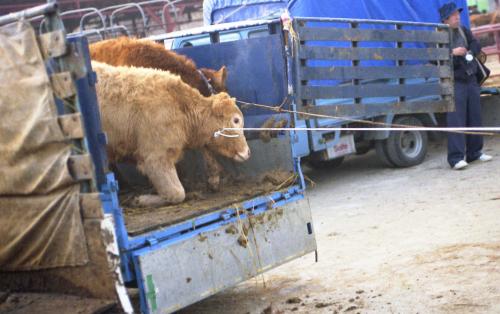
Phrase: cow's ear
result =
(221, 75)
(220, 102)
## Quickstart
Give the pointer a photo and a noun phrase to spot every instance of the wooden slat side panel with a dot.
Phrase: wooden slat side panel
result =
(379, 35)
(373, 73)
(379, 109)
(378, 54)
(375, 90)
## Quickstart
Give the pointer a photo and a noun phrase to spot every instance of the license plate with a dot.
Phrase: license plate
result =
(345, 146)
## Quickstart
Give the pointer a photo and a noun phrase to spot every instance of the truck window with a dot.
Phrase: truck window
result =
(233, 36)
(200, 41)
(258, 33)
(205, 39)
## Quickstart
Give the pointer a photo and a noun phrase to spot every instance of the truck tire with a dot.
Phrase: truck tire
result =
(325, 164)
(382, 153)
(363, 147)
(405, 148)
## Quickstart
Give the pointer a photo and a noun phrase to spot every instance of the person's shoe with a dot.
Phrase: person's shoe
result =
(460, 165)
(485, 157)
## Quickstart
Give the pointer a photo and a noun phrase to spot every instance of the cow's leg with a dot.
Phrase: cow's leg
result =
(213, 168)
(166, 182)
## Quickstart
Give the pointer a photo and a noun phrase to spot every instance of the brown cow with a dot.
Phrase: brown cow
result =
(140, 127)
(144, 53)
(477, 20)
(148, 54)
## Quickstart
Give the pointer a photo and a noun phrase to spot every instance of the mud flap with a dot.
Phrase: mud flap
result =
(174, 275)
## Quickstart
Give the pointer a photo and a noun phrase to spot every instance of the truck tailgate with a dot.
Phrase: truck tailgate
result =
(182, 272)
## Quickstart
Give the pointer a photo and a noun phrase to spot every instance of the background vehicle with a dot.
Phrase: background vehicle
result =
(324, 148)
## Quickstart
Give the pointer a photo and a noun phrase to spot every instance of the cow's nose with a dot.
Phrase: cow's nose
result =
(243, 155)
(246, 153)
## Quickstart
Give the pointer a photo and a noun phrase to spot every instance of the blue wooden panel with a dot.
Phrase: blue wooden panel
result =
(343, 34)
(375, 90)
(374, 73)
(333, 53)
(342, 59)
(378, 109)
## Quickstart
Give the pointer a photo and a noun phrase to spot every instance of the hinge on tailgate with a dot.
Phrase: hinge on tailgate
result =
(152, 241)
(225, 216)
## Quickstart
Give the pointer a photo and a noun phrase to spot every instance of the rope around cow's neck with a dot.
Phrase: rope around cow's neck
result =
(207, 82)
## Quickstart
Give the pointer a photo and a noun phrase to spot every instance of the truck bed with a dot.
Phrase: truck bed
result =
(200, 201)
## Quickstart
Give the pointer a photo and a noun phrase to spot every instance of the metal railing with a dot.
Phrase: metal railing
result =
(41, 10)
(122, 7)
(164, 13)
(491, 30)
(89, 10)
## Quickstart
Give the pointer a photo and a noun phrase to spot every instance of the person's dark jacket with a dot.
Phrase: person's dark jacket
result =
(460, 65)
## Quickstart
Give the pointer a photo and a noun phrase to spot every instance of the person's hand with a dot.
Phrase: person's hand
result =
(460, 51)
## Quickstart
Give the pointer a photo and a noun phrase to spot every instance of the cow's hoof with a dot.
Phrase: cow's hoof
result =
(148, 201)
(214, 183)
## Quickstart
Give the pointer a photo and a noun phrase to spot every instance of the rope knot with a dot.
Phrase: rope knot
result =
(221, 133)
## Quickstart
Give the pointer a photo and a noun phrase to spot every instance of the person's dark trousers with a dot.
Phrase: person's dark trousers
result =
(467, 114)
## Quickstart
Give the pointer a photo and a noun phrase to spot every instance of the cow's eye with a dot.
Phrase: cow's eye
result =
(236, 120)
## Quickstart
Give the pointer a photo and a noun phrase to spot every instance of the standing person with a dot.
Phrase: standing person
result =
(463, 149)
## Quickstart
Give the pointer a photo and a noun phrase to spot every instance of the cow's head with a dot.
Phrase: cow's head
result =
(216, 78)
(227, 115)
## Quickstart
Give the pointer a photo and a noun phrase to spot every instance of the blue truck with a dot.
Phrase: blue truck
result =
(240, 20)
(177, 255)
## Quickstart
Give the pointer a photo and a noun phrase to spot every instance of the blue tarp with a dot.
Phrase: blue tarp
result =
(225, 11)
(220, 11)
(398, 10)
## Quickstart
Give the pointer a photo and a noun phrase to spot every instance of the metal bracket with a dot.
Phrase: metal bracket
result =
(53, 44)
(91, 206)
(71, 125)
(225, 216)
(152, 241)
(80, 167)
(62, 84)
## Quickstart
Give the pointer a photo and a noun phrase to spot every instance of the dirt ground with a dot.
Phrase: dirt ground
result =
(23, 303)
(418, 240)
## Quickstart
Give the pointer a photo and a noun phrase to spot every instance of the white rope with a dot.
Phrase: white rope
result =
(440, 129)
(220, 133)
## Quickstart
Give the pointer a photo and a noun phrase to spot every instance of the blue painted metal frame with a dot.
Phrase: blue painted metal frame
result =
(90, 111)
